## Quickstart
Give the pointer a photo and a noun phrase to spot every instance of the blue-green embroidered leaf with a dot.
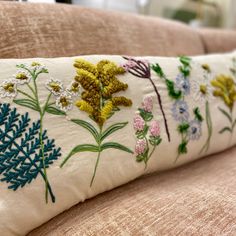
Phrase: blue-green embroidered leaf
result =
(87, 126)
(20, 152)
(54, 111)
(225, 129)
(112, 129)
(80, 148)
(115, 146)
(226, 114)
(27, 103)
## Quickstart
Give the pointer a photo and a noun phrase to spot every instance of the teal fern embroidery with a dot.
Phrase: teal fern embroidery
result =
(27, 76)
(20, 152)
(188, 129)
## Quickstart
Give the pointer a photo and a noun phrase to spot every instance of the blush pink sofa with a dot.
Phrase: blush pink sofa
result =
(196, 199)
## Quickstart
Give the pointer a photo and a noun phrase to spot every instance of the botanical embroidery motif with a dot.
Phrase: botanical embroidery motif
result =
(141, 69)
(225, 89)
(99, 83)
(21, 157)
(27, 76)
(188, 129)
(147, 132)
(202, 90)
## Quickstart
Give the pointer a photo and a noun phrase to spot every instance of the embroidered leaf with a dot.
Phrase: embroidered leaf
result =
(87, 126)
(112, 129)
(197, 114)
(234, 124)
(80, 148)
(27, 103)
(225, 129)
(185, 60)
(142, 134)
(171, 90)
(54, 111)
(182, 149)
(115, 146)
(226, 114)
(183, 128)
(155, 141)
(147, 116)
(156, 67)
(185, 68)
(20, 152)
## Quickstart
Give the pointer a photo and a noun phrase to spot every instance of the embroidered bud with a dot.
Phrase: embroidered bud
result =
(139, 123)
(154, 129)
(140, 146)
(147, 104)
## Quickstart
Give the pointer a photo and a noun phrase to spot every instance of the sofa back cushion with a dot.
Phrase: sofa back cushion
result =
(52, 30)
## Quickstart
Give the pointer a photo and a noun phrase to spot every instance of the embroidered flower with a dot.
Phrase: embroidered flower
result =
(180, 111)
(147, 104)
(139, 123)
(130, 64)
(202, 90)
(8, 89)
(64, 101)
(55, 86)
(22, 77)
(74, 88)
(194, 130)
(183, 84)
(37, 67)
(154, 129)
(225, 89)
(140, 146)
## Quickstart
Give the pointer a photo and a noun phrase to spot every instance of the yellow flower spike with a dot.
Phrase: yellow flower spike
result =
(121, 101)
(85, 65)
(99, 88)
(206, 67)
(225, 88)
(84, 106)
(106, 110)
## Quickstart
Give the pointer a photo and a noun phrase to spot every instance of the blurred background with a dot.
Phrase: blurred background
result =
(197, 13)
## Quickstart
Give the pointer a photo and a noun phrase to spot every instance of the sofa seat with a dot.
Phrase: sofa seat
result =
(195, 199)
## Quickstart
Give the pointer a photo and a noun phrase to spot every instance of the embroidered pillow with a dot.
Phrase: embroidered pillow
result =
(71, 128)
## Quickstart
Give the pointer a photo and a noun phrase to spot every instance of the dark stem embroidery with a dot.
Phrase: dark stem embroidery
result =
(142, 70)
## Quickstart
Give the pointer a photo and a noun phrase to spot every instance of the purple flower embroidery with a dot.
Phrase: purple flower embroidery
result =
(140, 146)
(155, 129)
(141, 69)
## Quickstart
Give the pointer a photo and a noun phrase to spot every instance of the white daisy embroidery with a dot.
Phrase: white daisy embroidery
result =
(22, 77)
(64, 101)
(8, 89)
(55, 86)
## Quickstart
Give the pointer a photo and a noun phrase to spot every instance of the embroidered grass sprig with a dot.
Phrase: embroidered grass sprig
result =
(99, 83)
(27, 76)
(147, 132)
(142, 69)
(225, 89)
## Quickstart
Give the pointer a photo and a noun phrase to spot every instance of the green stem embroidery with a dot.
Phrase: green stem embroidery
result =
(206, 146)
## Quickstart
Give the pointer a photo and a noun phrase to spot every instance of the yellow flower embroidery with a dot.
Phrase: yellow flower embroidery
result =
(225, 89)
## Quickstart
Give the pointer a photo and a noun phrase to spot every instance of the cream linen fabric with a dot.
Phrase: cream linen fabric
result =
(24, 209)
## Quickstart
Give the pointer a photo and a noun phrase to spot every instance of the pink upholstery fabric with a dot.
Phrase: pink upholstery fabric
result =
(196, 199)
(215, 40)
(49, 30)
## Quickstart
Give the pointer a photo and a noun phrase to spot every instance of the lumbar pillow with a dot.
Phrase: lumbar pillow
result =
(71, 128)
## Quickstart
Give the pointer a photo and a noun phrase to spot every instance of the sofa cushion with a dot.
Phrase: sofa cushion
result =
(216, 40)
(71, 128)
(49, 30)
(196, 199)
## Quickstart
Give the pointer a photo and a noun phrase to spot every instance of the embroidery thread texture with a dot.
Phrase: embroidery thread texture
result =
(141, 69)
(147, 132)
(99, 84)
(20, 150)
(189, 130)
